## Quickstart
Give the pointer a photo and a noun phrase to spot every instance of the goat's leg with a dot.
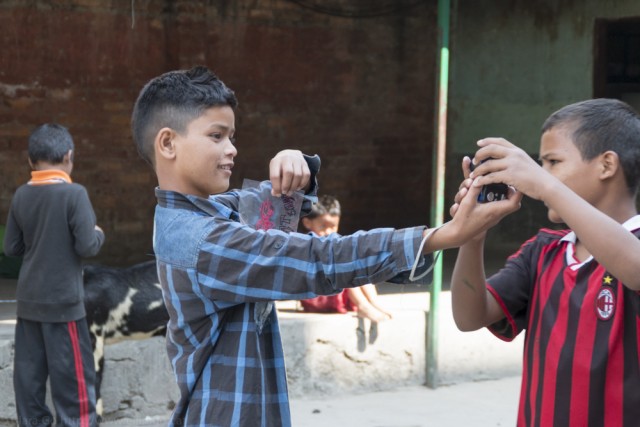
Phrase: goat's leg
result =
(98, 359)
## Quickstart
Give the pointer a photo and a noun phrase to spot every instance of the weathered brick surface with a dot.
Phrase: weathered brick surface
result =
(359, 92)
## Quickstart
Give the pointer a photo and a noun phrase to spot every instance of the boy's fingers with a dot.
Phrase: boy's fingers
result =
(275, 176)
(288, 175)
(493, 140)
(460, 195)
(515, 196)
(304, 177)
(300, 177)
(471, 194)
(285, 178)
(288, 172)
(466, 166)
(453, 209)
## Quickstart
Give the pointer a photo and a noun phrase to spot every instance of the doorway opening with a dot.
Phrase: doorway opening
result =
(617, 60)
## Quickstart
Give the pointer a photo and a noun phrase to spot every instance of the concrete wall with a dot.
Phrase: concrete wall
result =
(358, 91)
(325, 354)
(512, 64)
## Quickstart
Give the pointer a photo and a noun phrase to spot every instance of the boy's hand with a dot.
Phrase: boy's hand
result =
(471, 219)
(463, 190)
(509, 165)
(464, 186)
(288, 172)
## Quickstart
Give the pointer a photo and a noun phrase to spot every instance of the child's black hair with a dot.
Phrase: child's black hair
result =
(174, 100)
(326, 205)
(599, 125)
(49, 142)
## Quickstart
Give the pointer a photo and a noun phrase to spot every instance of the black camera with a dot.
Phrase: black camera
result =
(491, 192)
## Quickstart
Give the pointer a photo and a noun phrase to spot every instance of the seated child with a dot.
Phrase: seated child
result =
(324, 220)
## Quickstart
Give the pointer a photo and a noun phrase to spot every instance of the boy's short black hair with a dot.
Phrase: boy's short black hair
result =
(49, 142)
(174, 100)
(326, 205)
(599, 125)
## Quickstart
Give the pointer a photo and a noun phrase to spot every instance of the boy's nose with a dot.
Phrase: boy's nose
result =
(231, 149)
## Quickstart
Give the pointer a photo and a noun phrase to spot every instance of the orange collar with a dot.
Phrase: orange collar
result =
(50, 176)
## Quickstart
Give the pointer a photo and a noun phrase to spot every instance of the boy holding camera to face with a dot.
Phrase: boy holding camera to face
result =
(575, 291)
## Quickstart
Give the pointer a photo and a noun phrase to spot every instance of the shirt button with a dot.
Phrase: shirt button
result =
(278, 244)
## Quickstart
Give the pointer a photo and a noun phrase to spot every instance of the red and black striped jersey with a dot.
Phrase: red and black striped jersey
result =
(580, 362)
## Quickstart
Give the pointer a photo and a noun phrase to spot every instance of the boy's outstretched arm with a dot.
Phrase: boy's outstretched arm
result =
(604, 237)
(289, 172)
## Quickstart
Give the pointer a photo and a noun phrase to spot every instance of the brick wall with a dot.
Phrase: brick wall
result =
(357, 91)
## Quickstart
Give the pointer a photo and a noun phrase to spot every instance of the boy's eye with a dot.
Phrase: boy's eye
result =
(232, 139)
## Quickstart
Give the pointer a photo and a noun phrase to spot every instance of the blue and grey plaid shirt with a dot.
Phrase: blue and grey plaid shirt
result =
(219, 278)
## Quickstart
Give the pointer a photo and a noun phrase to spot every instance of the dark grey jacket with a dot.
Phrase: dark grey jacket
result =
(52, 227)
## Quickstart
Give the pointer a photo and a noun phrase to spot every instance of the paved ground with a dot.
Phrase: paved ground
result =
(473, 404)
(477, 404)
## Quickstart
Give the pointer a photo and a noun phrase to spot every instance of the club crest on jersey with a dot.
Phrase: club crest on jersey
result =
(606, 299)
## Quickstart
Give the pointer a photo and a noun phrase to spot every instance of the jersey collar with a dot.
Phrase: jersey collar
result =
(632, 224)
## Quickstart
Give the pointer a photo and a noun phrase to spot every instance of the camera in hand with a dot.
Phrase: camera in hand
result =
(491, 192)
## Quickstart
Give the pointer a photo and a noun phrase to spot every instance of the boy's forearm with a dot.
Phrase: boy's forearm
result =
(468, 289)
(605, 239)
(445, 237)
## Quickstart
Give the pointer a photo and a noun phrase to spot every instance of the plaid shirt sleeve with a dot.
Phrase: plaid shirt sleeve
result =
(239, 264)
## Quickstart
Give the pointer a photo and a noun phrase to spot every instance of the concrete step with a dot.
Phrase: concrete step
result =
(326, 354)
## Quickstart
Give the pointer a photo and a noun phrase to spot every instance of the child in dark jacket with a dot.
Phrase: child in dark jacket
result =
(52, 225)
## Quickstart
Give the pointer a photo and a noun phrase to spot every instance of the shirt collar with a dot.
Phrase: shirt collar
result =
(175, 200)
(49, 176)
(631, 224)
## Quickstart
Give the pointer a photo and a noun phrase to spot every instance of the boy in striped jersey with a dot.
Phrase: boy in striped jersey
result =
(576, 291)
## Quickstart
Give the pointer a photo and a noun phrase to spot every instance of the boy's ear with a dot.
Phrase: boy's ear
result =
(306, 222)
(68, 158)
(609, 164)
(164, 143)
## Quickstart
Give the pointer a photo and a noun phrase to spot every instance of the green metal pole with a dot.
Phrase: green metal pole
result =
(437, 194)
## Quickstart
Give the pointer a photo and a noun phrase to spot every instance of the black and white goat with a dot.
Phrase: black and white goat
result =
(121, 303)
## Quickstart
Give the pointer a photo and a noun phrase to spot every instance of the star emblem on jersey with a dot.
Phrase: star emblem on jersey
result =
(607, 280)
(605, 303)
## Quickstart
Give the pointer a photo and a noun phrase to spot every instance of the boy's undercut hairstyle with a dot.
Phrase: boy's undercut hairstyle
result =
(599, 125)
(174, 100)
(49, 143)
(326, 205)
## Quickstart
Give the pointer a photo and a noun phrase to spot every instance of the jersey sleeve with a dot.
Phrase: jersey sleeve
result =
(512, 288)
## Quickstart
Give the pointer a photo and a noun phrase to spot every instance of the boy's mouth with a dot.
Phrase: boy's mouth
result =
(226, 167)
